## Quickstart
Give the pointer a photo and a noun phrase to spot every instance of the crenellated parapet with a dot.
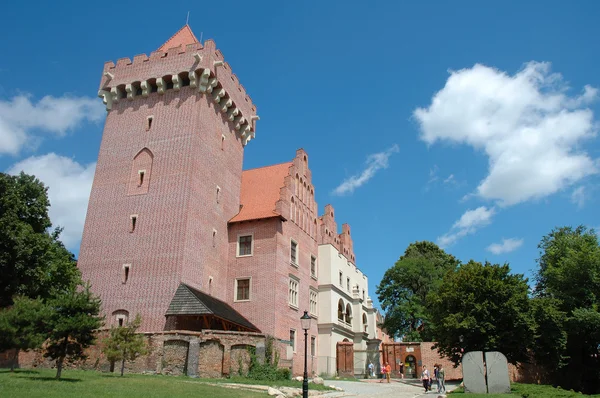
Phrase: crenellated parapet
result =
(192, 67)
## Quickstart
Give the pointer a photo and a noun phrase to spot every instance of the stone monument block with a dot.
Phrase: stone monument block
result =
(474, 372)
(260, 352)
(497, 373)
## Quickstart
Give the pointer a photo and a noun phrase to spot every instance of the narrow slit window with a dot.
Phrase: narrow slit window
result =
(133, 223)
(149, 122)
(126, 268)
(214, 238)
(218, 194)
(141, 173)
(120, 322)
(222, 142)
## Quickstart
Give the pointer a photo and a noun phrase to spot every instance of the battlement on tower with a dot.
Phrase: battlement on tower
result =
(187, 66)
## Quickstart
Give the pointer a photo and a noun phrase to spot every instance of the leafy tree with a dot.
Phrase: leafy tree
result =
(550, 337)
(33, 261)
(124, 344)
(404, 288)
(73, 322)
(23, 326)
(569, 273)
(486, 305)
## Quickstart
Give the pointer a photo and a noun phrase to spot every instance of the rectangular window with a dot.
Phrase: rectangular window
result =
(126, 268)
(348, 284)
(313, 345)
(313, 266)
(133, 223)
(245, 245)
(242, 289)
(294, 253)
(218, 193)
(149, 122)
(293, 293)
(363, 294)
(341, 278)
(293, 339)
(141, 173)
(313, 302)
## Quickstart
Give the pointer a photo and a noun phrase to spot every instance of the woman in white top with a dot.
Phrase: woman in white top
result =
(425, 378)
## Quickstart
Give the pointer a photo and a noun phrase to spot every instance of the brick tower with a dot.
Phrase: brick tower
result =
(167, 179)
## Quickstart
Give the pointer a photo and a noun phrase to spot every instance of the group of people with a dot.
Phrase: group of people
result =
(439, 376)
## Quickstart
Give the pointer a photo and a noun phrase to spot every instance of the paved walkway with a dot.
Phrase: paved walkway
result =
(373, 388)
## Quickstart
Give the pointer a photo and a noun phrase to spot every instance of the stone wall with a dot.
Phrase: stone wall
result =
(210, 353)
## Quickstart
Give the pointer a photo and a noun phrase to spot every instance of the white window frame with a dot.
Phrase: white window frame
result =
(313, 346)
(316, 295)
(235, 289)
(315, 275)
(237, 252)
(297, 291)
(294, 263)
(294, 341)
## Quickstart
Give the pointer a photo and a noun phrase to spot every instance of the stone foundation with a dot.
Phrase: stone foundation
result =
(210, 353)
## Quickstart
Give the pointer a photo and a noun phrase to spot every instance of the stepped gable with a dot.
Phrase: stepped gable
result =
(261, 192)
(183, 37)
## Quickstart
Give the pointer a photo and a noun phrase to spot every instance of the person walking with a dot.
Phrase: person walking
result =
(383, 375)
(371, 369)
(442, 379)
(425, 378)
(388, 371)
(436, 376)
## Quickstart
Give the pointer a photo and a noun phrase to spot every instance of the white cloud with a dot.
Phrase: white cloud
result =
(469, 223)
(375, 162)
(527, 124)
(450, 180)
(578, 196)
(69, 184)
(21, 119)
(507, 246)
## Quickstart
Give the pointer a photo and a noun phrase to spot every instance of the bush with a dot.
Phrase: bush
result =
(268, 370)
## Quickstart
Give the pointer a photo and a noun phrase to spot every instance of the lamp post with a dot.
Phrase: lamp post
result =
(305, 321)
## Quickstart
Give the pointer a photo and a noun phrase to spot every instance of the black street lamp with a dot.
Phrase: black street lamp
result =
(305, 321)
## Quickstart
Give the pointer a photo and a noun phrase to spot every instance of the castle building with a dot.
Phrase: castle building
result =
(178, 233)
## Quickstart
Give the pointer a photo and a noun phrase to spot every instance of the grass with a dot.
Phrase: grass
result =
(528, 391)
(274, 384)
(90, 384)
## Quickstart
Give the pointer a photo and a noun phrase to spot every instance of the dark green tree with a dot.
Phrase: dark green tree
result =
(23, 326)
(73, 323)
(33, 261)
(404, 288)
(124, 343)
(486, 305)
(569, 273)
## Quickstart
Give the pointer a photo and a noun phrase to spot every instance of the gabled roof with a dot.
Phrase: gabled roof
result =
(260, 192)
(189, 301)
(184, 36)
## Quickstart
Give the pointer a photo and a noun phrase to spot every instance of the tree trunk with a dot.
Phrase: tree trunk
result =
(122, 365)
(15, 358)
(59, 364)
(61, 358)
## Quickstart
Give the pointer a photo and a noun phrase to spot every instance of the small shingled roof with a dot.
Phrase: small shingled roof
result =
(260, 192)
(189, 301)
(184, 36)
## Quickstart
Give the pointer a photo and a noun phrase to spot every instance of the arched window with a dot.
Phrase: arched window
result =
(292, 210)
(141, 171)
(121, 317)
(341, 310)
(365, 325)
(348, 314)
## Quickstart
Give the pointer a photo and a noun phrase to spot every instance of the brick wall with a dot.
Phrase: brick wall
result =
(169, 353)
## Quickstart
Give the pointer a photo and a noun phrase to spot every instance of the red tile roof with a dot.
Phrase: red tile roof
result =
(183, 37)
(260, 192)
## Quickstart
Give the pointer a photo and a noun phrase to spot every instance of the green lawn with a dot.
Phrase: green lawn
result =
(83, 384)
(528, 391)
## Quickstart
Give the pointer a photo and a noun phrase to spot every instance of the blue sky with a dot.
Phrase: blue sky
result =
(472, 125)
